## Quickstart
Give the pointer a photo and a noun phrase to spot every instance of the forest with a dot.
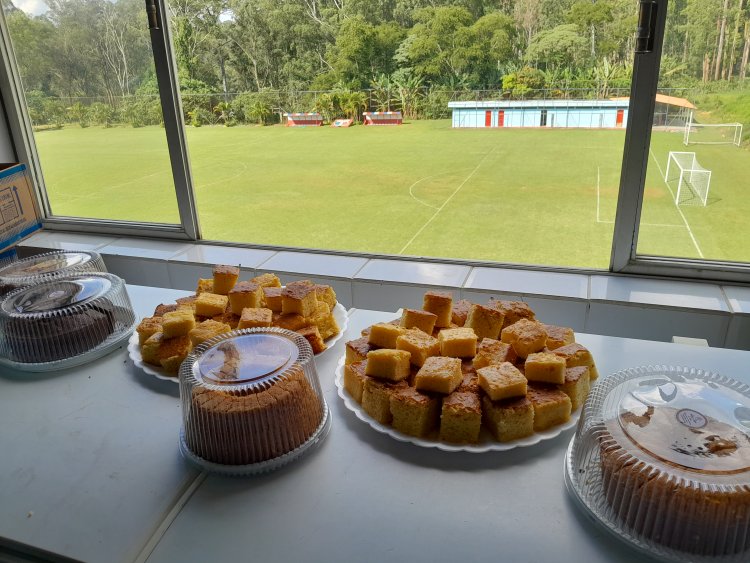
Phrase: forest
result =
(247, 61)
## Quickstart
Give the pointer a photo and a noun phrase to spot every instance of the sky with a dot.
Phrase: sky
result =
(31, 7)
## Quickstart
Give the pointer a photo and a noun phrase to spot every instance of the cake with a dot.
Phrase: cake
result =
(513, 311)
(354, 379)
(384, 335)
(392, 365)
(461, 418)
(245, 295)
(509, 419)
(422, 320)
(255, 317)
(458, 342)
(545, 367)
(224, 278)
(178, 323)
(502, 381)
(299, 298)
(439, 375)
(493, 352)
(525, 336)
(485, 321)
(356, 350)
(420, 345)
(439, 303)
(460, 312)
(551, 406)
(414, 413)
(376, 398)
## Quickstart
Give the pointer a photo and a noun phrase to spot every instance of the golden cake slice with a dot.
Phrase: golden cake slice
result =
(384, 335)
(167, 353)
(178, 323)
(187, 302)
(420, 345)
(414, 413)
(326, 294)
(267, 280)
(272, 298)
(354, 379)
(147, 328)
(485, 321)
(458, 342)
(388, 364)
(510, 419)
(161, 309)
(228, 318)
(150, 349)
(502, 381)
(325, 321)
(558, 336)
(576, 385)
(205, 285)
(514, 311)
(551, 406)
(469, 383)
(210, 304)
(440, 375)
(224, 278)
(255, 318)
(576, 355)
(460, 312)
(312, 334)
(299, 298)
(461, 418)
(545, 367)
(356, 350)
(207, 330)
(376, 398)
(292, 322)
(243, 295)
(440, 303)
(525, 336)
(422, 320)
(493, 352)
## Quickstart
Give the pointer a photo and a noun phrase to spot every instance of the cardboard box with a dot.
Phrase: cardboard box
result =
(19, 215)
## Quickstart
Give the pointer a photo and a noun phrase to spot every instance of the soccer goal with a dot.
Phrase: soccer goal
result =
(711, 133)
(693, 181)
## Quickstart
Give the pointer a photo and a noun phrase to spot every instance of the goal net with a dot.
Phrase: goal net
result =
(711, 133)
(693, 181)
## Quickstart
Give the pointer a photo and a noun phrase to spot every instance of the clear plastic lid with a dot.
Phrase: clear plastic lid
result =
(34, 269)
(59, 319)
(250, 397)
(662, 458)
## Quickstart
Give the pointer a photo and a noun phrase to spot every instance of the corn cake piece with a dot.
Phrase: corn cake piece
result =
(502, 382)
(461, 418)
(205, 285)
(354, 379)
(272, 298)
(510, 419)
(469, 383)
(292, 322)
(224, 278)
(326, 294)
(150, 348)
(525, 336)
(255, 317)
(356, 350)
(299, 298)
(165, 352)
(514, 311)
(551, 406)
(558, 336)
(438, 374)
(243, 295)
(325, 321)
(420, 345)
(576, 355)
(460, 312)
(207, 330)
(384, 335)
(312, 335)
(187, 302)
(576, 385)
(458, 342)
(178, 323)
(228, 318)
(161, 309)
(440, 303)
(366, 331)
(414, 413)
(376, 398)
(210, 304)
(414, 318)
(545, 367)
(147, 328)
(485, 321)
(267, 280)
(493, 352)
(388, 364)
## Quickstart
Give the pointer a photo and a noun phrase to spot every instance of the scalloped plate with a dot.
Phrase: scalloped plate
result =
(486, 442)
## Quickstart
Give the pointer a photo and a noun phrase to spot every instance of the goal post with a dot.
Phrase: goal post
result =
(711, 133)
(693, 181)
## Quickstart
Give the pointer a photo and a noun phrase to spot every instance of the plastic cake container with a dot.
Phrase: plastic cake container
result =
(50, 265)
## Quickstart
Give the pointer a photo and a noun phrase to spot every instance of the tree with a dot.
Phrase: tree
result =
(557, 47)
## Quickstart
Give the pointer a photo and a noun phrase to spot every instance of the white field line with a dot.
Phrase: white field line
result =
(415, 198)
(684, 219)
(450, 197)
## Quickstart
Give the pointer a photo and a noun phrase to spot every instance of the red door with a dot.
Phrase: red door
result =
(620, 115)
(500, 118)
(488, 119)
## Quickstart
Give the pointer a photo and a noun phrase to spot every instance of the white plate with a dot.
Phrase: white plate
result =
(486, 442)
(134, 350)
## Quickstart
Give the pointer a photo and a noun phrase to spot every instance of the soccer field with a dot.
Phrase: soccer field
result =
(422, 189)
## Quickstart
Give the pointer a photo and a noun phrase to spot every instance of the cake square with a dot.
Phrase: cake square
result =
(178, 323)
(414, 413)
(461, 418)
(312, 334)
(384, 335)
(267, 280)
(558, 336)
(210, 304)
(514, 311)
(458, 342)
(510, 419)
(414, 318)
(207, 330)
(243, 295)
(576, 355)
(150, 348)
(440, 303)
(576, 385)
(292, 322)
(161, 309)
(224, 278)
(420, 345)
(187, 302)
(227, 318)
(493, 352)
(525, 336)
(326, 294)
(255, 317)
(147, 328)
(485, 321)
(388, 364)
(356, 350)
(460, 312)
(545, 367)
(502, 381)
(205, 285)
(469, 383)
(272, 298)
(325, 321)
(166, 352)
(551, 406)
(299, 298)
(376, 398)
(354, 379)
(438, 374)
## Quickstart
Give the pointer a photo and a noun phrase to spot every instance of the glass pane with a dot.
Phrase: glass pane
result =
(507, 144)
(695, 202)
(88, 74)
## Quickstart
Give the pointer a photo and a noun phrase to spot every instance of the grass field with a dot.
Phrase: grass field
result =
(424, 189)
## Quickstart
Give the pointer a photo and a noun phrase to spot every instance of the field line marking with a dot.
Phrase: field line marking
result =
(684, 219)
(415, 198)
(450, 197)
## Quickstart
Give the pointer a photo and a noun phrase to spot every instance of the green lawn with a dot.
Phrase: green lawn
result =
(424, 189)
